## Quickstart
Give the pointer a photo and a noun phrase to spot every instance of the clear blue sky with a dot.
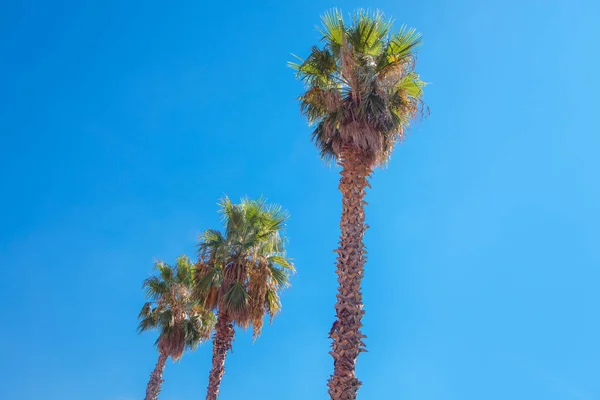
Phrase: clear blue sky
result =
(122, 123)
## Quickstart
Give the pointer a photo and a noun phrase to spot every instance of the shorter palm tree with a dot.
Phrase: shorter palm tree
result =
(182, 323)
(240, 274)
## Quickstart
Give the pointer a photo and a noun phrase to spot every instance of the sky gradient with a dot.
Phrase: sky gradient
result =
(122, 123)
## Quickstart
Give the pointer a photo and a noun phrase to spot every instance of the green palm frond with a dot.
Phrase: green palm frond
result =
(166, 272)
(281, 261)
(212, 242)
(319, 69)
(146, 311)
(197, 329)
(275, 216)
(280, 277)
(367, 33)
(212, 237)
(184, 270)
(155, 288)
(165, 319)
(411, 84)
(236, 298)
(332, 29)
(146, 324)
(403, 43)
(191, 329)
(214, 278)
(229, 213)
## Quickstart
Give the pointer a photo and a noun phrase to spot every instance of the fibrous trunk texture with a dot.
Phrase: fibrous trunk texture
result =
(156, 379)
(222, 341)
(345, 333)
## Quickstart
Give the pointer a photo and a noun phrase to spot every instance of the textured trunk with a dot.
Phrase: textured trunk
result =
(345, 332)
(222, 340)
(156, 379)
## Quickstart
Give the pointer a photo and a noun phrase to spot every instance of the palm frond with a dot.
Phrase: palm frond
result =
(332, 28)
(236, 298)
(211, 239)
(165, 319)
(411, 84)
(155, 288)
(212, 278)
(146, 324)
(318, 69)
(280, 277)
(367, 32)
(184, 270)
(403, 44)
(281, 261)
(146, 311)
(166, 272)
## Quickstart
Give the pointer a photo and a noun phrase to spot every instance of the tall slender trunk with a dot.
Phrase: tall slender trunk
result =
(222, 341)
(345, 332)
(156, 380)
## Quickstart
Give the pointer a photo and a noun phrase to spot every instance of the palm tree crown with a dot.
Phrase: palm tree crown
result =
(182, 322)
(361, 87)
(241, 271)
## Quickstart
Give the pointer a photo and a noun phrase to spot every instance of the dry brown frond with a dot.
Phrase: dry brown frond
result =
(332, 99)
(257, 289)
(173, 343)
(361, 135)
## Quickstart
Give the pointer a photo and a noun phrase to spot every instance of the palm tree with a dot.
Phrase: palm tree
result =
(362, 91)
(182, 323)
(240, 273)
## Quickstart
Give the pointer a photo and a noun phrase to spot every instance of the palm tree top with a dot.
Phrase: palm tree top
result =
(182, 322)
(362, 90)
(242, 270)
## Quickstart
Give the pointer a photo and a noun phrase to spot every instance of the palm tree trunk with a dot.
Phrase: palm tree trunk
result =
(345, 332)
(222, 341)
(156, 379)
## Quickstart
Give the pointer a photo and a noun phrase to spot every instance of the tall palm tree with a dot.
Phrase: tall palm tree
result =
(240, 273)
(182, 323)
(362, 91)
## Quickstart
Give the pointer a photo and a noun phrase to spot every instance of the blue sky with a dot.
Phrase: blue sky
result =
(122, 123)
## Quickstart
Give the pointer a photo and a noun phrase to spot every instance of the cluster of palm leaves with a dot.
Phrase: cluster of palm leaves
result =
(361, 93)
(362, 90)
(236, 281)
